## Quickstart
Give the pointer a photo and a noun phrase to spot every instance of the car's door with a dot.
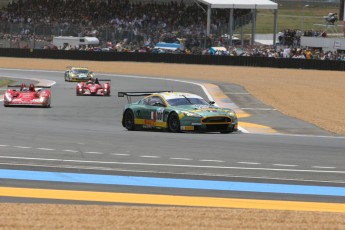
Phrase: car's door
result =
(154, 111)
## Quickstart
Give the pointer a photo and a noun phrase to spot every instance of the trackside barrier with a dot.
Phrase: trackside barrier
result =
(290, 63)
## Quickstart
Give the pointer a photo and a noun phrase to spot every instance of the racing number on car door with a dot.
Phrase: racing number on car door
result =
(157, 115)
(156, 109)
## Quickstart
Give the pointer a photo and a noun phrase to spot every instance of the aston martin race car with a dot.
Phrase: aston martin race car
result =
(93, 88)
(21, 95)
(78, 74)
(176, 112)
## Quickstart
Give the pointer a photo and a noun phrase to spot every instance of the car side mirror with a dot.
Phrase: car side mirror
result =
(211, 102)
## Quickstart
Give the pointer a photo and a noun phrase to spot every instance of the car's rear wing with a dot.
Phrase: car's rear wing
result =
(137, 94)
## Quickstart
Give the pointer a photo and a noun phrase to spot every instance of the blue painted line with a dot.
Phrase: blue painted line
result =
(171, 183)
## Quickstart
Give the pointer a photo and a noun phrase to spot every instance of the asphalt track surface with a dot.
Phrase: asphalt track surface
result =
(77, 151)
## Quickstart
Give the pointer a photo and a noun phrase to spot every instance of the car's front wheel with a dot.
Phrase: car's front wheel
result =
(128, 120)
(174, 123)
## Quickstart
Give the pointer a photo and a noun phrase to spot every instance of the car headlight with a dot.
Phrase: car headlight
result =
(43, 99)
(232, 114)
(189, 114)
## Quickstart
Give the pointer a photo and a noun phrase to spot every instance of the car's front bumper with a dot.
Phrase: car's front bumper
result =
(210, 128)
(198, 124)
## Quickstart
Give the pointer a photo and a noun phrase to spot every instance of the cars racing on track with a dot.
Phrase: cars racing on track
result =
(21, 95)
(93, 88)
(176, 112)
(78, 74)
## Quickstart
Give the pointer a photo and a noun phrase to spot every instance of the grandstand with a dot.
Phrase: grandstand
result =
(139, 22)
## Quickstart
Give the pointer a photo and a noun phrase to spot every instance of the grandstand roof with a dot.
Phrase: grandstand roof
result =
(240, 4)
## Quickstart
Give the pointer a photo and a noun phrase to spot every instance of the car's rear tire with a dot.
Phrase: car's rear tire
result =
(174, 123)
(128, 120)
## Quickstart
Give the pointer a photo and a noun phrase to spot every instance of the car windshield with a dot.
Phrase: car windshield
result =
(186, 101)
(85, 71)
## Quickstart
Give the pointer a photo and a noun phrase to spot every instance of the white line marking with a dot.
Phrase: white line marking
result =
(45, 149)
(22, 147)
(172, 165)
(71, 151)
(150, 156)
(249, 163)
(283, 165)
(205, 160)
(183, 159)
(323, 167)
(3, 145)
(119, 154)
(175, 173)
(94, 152)
(299, 135)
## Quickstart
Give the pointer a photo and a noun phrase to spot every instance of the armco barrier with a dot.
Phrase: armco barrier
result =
(175, 58)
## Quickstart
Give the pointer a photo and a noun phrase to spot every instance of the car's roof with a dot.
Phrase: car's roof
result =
(173, 95)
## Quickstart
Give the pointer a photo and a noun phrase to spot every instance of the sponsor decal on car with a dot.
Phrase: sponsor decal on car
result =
(150, 122)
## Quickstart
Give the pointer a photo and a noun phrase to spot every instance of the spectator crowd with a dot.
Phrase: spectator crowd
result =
(145, 23)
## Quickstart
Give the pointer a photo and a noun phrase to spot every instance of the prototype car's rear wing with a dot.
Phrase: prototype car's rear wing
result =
(137, 94)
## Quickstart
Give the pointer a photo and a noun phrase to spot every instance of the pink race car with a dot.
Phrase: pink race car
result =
(27, 96)
(93, 88)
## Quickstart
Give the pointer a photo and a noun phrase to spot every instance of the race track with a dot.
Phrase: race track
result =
(80, 145)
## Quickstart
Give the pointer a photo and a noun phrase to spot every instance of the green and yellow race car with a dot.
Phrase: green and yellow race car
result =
(176, 112)
(78, 74)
